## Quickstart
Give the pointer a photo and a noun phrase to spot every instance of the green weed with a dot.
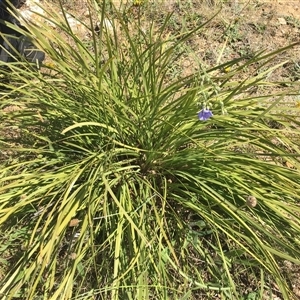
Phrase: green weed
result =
(129, 188)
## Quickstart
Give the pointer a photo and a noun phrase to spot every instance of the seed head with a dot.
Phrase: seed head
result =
(73, 256)
(251, 201)
(73, 223)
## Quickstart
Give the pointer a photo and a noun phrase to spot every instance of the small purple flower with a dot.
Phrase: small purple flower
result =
(204, 114)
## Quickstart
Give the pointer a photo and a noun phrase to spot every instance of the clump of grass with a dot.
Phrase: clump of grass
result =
(132, 184)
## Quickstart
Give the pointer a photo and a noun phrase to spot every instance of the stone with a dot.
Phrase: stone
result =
(282, 21)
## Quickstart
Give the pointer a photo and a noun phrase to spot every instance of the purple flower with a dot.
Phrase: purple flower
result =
(204, 114)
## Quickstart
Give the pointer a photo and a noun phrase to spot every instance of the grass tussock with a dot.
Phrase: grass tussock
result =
(120, 180)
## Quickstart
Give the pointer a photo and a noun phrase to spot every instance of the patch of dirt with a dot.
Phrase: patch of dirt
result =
(286, 8)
